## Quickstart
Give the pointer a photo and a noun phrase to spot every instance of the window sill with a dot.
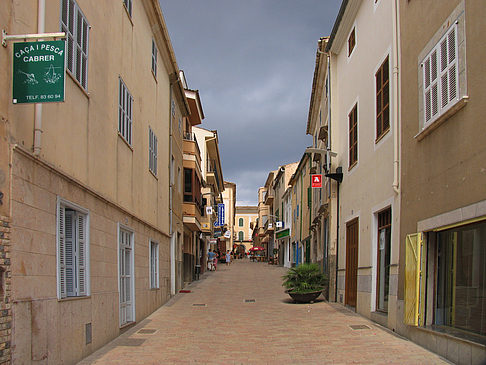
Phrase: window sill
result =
(128, 13)
(77, 83)
(154, 289)
(70, 299)
(439, 121)
(126, 325)
(378, 139)
(153, 174)
(124, 140)
(352, 165)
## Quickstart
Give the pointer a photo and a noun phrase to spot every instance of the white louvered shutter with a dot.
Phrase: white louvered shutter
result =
(69, 253)
(62, 251)
(440, 76)
(81, 257)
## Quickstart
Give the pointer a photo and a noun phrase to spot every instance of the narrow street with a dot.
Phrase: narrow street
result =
(241, 315)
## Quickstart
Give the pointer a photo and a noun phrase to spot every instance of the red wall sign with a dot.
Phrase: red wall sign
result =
(317, 181)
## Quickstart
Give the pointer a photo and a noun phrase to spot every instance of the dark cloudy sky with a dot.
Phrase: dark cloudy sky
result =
(252, 62)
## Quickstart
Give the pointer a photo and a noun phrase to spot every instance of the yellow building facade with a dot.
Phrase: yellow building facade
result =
(86, 181)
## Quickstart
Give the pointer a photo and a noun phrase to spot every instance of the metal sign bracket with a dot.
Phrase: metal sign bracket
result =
(16, 37)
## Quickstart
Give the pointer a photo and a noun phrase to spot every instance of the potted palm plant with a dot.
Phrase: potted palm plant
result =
(305, 282)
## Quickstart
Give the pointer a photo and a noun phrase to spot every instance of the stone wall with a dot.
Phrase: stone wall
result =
(5, 305)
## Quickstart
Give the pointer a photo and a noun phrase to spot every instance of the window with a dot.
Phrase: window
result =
(152, 152)
(179, 182)
(240, 222)
(382, 100)
(128, 6)
(440, 76)
(188, 185)
(154, 58)
(353, 136)
(154, 265)
(125, 102)
(76, 27)
(383, 271)
(241, 236)
(461, 278)
(125, 275)
(351, 42)
(72, 250)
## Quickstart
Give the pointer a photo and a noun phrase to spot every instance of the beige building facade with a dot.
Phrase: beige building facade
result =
(443, 178)
(282, 229)
(212, 187)
(324, 198)
(229, 201)
(364, 118)
(85, 182)
(245, 217)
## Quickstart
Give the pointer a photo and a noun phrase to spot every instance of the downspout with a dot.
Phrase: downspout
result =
(337, 245)
(301, 210)
(396, 112)
(329, 169)
(41, 18)
(171, 231)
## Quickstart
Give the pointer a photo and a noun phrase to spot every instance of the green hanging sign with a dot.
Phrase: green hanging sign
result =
(38, 72)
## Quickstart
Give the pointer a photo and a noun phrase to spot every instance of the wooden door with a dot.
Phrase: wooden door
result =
(352, 235)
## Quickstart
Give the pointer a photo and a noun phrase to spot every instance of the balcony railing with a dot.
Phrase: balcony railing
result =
(189, 136)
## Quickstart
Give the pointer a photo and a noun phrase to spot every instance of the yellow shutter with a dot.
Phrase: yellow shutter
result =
(413, 288)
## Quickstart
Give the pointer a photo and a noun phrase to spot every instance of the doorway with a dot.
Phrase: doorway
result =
(352, 238)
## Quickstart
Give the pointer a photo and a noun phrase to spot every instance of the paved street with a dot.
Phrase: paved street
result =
(218, 323)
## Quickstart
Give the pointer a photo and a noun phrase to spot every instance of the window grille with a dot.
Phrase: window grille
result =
(154, 58)
(353, 136)
(351, 42)
(382, 100)
(128, 6)
(76, 27)
(154, 265)
(152, 151)
(125, 112)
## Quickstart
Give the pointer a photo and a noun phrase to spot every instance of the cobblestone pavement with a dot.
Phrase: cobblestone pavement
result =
(241, 315)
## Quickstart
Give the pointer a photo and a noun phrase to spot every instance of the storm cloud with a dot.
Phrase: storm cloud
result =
(253, 63)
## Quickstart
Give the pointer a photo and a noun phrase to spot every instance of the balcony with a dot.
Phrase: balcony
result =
(206, 225)
(192, 211)
(268, 227)
(268, 197)
(212, 176)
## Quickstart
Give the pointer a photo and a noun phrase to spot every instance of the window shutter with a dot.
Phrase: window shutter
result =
(414, 291)
(81, 227)
(62, 250)
(440, 78)
(69, 252)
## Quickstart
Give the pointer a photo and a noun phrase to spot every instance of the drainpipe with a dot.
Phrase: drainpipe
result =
(329, 169)
(41, 15)
(396, 112)
(171, 190)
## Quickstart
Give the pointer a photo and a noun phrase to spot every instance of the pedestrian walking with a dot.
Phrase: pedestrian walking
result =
(211, 256)
(228, 258)
(215, 260)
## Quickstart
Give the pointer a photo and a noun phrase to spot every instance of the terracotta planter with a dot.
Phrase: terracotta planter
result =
(304, 297)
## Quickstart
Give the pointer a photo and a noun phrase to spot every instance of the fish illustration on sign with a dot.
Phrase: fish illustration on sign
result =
(30, 78)
(51, 77)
